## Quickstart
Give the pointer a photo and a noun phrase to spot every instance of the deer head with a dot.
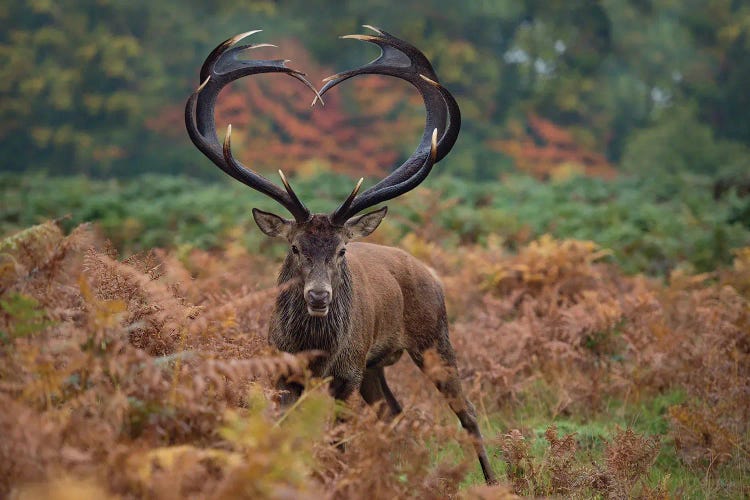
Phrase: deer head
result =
(317, 251)
(317, 242)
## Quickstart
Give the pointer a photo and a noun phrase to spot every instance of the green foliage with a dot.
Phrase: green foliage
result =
(23, 316)
(646, 230)
(679, 143)
(79, 82)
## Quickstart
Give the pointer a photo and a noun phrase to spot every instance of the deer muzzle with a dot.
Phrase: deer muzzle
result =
(318, 301)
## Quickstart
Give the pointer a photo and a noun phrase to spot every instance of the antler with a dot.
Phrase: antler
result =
(402, 60)
(222, 66)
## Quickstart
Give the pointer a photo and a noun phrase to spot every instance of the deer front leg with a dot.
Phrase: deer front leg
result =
(289, 392)
(343, 386)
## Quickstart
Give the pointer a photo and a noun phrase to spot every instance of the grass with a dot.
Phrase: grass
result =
(648, 415)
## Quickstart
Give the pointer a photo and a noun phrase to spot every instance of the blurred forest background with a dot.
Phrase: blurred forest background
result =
(591, 227)
(646, 100)
(644, 87)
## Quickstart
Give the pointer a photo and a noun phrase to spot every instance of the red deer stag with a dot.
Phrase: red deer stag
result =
(363, 304)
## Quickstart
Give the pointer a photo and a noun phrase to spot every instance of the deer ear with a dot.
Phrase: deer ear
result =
(361, 226)
(272, 224)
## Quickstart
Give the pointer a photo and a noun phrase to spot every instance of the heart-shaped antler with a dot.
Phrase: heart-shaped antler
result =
(398, 59)
(223, 66)
(402, 60)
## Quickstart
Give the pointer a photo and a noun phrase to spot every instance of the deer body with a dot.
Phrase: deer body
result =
(362, 304)
(388, 303)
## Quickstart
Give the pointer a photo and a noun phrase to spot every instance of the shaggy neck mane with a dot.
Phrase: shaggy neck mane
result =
(303, 331)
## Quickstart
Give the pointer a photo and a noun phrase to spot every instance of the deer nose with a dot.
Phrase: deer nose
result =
(319, 297)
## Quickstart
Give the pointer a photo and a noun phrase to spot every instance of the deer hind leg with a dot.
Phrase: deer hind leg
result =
(375, 390)
(393, 404)
(443, 372)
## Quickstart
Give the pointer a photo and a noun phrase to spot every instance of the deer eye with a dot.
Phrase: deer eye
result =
(295, 250)
(342, 252)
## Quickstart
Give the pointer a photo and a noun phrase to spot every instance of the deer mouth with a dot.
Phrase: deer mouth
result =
(317, 310)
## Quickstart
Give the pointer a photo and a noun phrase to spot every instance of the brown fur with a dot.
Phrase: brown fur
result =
(384, 302)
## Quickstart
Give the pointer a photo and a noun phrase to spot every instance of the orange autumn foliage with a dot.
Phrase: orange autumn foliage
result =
(151, 376)
(546, 150)
(364, 130)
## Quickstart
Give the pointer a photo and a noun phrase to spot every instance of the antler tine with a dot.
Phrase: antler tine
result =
(402, 60)
(223, 66)
(450, 135)
(290, 191)
(350, 208)
(215, 55)
(346, 206)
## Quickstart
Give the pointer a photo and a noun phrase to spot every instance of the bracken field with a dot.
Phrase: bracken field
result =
(591, 229)
(150, 376)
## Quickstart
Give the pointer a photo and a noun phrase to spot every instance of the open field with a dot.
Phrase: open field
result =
(150, 376)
